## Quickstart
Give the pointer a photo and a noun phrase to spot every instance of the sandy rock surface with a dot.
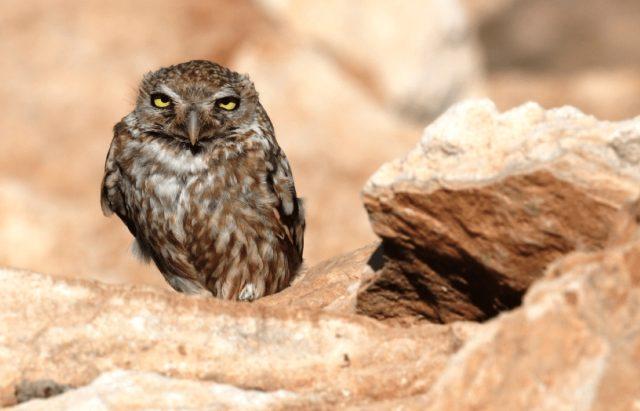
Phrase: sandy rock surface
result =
(575, 344)
(331, 285)
(129, 390)
(475, 213)
(75, 330)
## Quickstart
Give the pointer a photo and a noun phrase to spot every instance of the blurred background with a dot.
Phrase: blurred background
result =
(348, 85)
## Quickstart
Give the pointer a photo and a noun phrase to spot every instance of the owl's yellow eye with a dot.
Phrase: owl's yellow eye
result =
(228, 103)
(160, 100)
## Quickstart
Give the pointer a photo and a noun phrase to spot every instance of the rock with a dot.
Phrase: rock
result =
(437, 63)
(475, 213)
(127, 390)
(69, 332)
(575, 343)
(331, 285)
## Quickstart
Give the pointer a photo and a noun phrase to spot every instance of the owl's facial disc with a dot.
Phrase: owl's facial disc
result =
(196, 112)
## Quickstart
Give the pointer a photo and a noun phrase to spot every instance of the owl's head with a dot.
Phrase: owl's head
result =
(195, 102)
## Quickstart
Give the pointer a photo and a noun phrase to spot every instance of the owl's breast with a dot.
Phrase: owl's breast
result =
(194, 207)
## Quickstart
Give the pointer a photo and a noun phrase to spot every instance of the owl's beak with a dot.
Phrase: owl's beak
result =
(193, 127)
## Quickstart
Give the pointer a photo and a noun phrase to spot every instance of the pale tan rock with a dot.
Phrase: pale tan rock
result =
(331, 285)
(475, 213)
(134, 390)
(68, 332)
(416, 56)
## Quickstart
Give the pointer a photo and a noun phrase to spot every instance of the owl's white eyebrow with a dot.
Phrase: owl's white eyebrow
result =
(166, 90)
(225, 92)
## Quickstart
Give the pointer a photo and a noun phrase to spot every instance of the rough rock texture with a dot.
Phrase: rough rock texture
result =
(416, 57)
(68, 332)
(129, 390)
(474, 214)
(331, 285)
(575, 344)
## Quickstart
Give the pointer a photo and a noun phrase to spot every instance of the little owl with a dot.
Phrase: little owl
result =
(196, 174)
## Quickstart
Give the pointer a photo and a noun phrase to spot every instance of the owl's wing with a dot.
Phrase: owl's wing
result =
(290, 211)
(111, 194)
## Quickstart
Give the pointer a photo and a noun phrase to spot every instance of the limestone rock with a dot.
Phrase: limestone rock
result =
(135, 390)
(66, 333)
(331, 285)
(575, 343)
(475, 213)
(417, 56)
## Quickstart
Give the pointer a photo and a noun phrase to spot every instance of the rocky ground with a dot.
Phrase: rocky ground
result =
(507, 277)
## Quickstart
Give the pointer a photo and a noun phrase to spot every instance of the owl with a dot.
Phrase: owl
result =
(197, 176)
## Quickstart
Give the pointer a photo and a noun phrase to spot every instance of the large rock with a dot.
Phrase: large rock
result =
(575, 344)
(56, 335)
(417, 57)
(475, 213)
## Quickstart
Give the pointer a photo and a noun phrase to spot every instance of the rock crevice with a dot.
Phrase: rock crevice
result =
(475, 213)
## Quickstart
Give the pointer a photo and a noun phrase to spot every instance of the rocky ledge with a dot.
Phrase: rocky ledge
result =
(508, 277)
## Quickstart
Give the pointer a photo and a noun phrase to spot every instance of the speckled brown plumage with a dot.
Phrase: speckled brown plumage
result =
(207, 192)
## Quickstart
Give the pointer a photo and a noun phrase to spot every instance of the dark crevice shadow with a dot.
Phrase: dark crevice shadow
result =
(473, 282)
